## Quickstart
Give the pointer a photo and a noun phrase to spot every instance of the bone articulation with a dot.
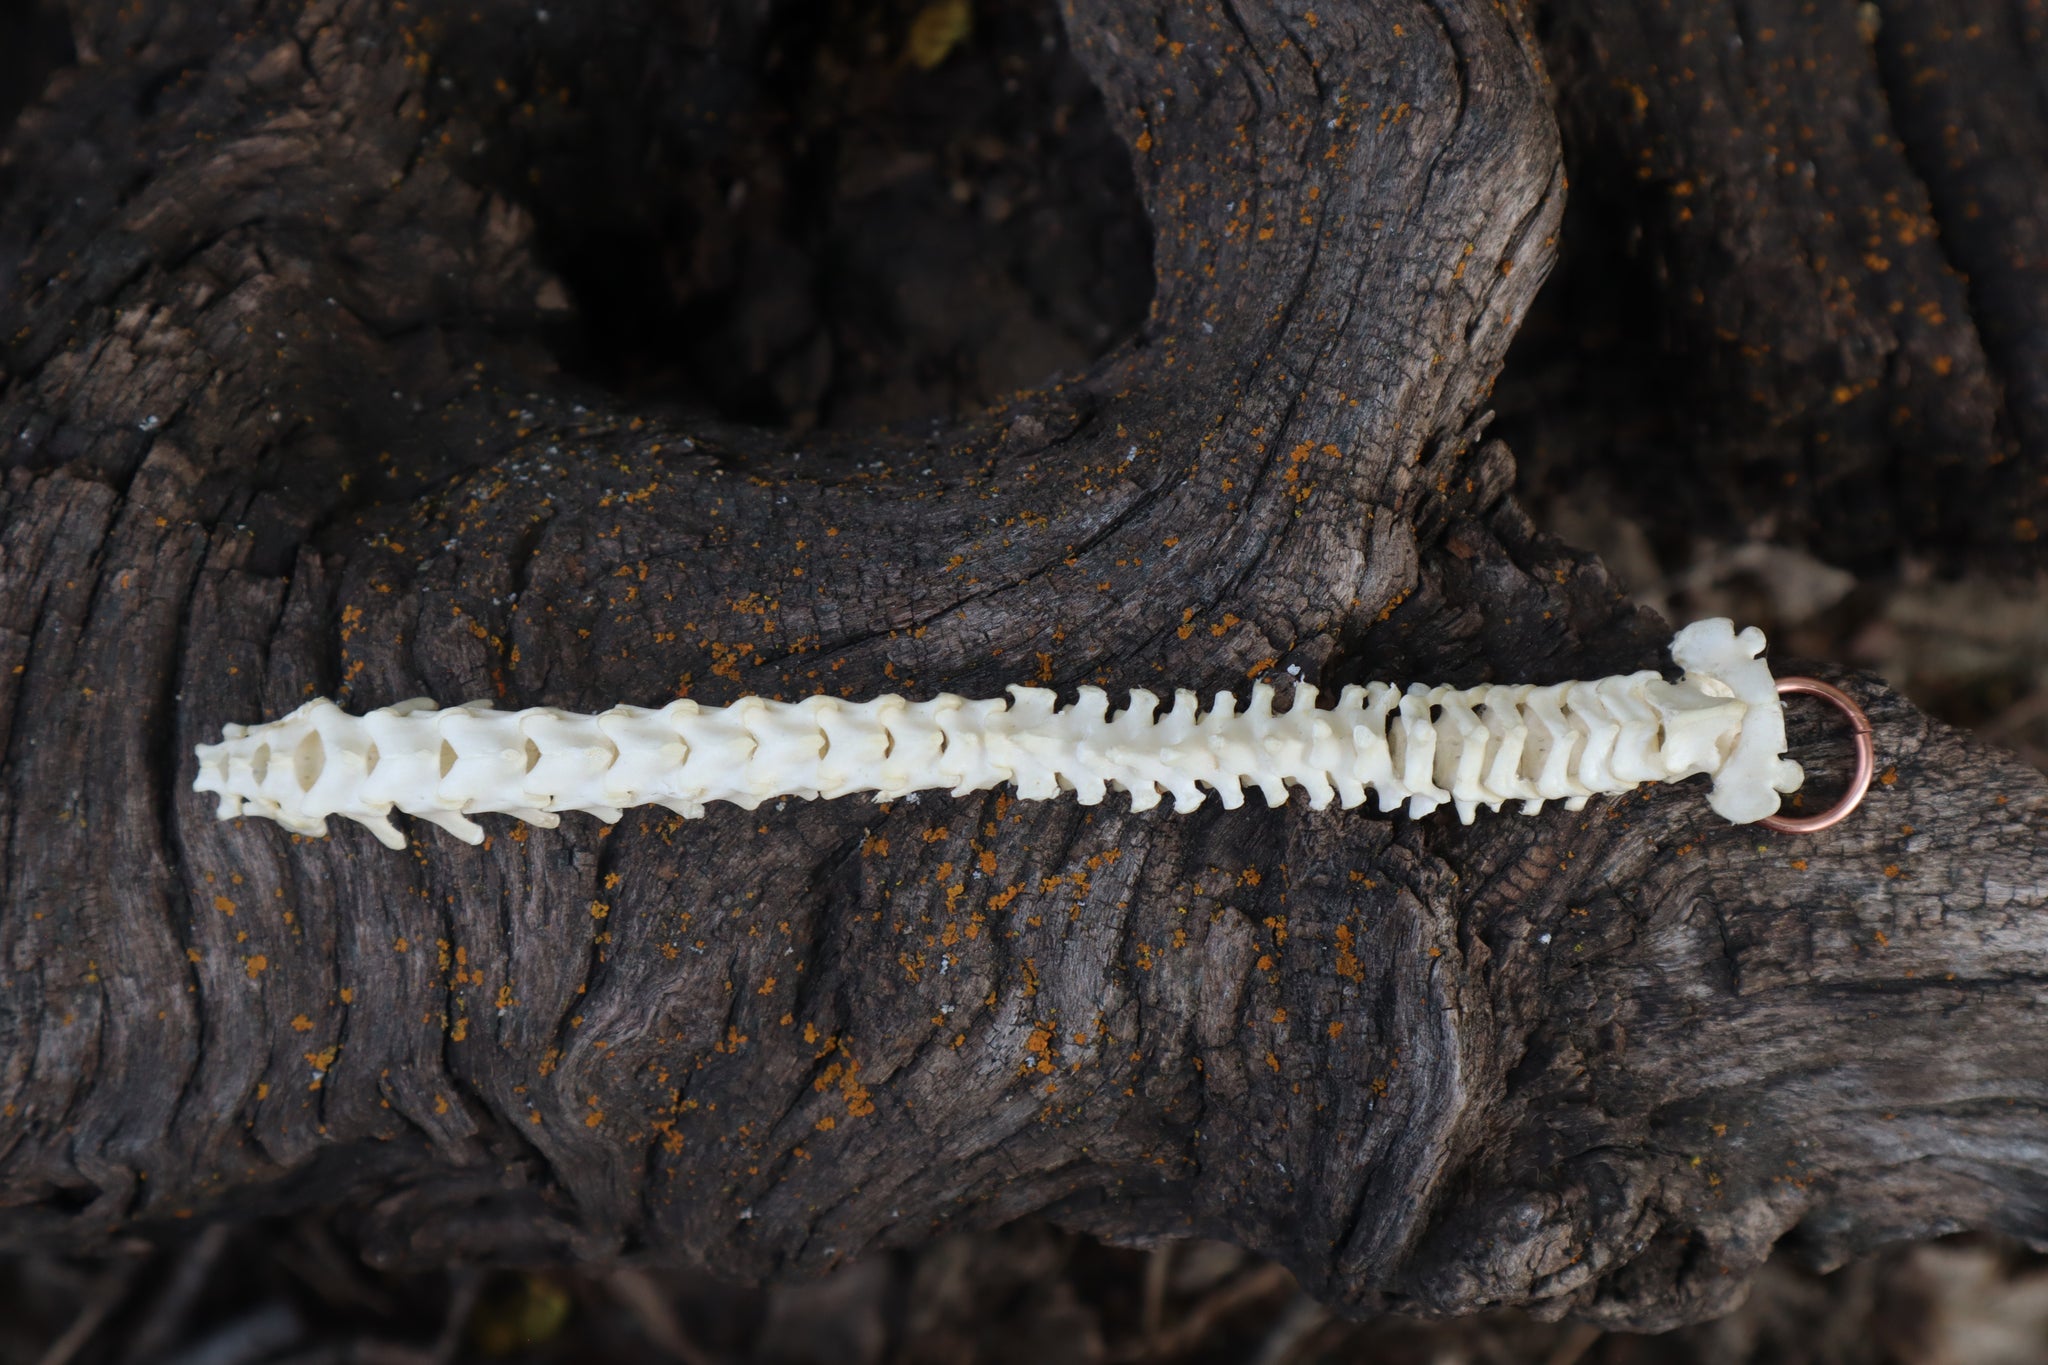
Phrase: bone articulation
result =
(1422, 747)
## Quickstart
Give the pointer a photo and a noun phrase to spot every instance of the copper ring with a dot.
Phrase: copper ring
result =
(1866, 760)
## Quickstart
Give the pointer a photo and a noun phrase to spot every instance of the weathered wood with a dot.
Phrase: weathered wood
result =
(1813, 247)
(280, 423)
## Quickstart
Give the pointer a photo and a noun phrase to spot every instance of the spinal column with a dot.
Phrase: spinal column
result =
(1422, 747)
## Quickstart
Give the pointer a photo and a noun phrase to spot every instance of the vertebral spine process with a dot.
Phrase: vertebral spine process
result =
(1471, 747)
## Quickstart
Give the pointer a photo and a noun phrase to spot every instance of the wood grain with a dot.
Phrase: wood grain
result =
(280, 423)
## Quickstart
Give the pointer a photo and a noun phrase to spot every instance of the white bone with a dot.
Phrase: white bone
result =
(1471, 747)
(1747, 784)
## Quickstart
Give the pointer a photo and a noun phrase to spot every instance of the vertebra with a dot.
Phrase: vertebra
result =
(1425, 746)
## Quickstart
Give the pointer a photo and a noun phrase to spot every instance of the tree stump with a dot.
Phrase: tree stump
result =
(289, 411)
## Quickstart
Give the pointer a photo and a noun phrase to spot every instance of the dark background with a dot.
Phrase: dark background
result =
(857, 214)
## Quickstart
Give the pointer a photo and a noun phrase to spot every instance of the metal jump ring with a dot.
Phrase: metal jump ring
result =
(1866, 760)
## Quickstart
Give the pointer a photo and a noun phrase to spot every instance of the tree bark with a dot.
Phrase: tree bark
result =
(1820, 236)
(280, 423)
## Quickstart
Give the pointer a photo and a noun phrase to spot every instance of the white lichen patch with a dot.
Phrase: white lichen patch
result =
(1420, 747)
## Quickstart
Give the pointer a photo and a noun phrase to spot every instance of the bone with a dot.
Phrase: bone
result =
(1420, 748)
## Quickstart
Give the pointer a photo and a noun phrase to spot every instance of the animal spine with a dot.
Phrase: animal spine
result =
(1425, 746)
